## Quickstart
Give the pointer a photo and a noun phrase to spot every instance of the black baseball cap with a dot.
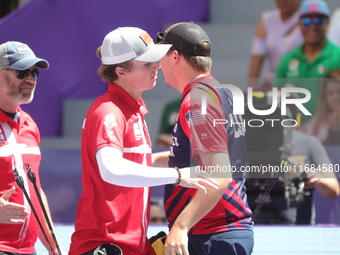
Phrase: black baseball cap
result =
(186, 37)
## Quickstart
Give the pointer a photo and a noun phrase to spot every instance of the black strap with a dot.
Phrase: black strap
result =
(105, 249)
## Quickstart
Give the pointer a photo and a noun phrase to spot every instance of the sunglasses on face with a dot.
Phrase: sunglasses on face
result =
(318, 22)
(22, 74)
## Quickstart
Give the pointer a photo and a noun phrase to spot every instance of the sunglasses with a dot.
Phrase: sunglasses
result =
(318, 22)
(22, 74)
(160, 38)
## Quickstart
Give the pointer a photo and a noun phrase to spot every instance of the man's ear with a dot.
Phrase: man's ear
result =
(120, 72)
(176, 56)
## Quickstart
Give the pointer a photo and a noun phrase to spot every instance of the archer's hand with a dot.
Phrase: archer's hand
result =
(176, 242)
(197, 180)
(11, 213)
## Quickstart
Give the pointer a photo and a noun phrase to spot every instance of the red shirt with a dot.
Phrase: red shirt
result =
(109, 213)
(19, 144)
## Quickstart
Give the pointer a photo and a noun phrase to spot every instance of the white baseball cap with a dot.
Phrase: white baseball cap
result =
(131, 43)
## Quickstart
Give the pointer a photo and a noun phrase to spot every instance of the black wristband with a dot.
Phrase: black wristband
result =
(179, 177)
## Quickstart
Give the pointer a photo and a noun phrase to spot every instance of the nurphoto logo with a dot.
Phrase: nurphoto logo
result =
(239, 100)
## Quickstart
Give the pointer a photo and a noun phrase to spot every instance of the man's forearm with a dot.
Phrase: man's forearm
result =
(199, 206)
(328, 187)
(160, 159)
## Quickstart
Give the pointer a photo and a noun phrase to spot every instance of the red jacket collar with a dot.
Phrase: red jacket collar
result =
(127, 99)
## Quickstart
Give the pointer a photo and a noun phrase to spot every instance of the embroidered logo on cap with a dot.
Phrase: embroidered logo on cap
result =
(24, 49)
(314, 7)
(146, 38)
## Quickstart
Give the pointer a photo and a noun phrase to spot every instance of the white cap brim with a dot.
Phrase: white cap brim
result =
(155, 53)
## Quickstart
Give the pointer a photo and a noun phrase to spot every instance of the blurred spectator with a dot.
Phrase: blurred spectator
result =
(325, 125)
(168, 121)
(291, 201)
(306, 152)
(334, 28)
(277, 33)
(314, 59)
(157, 215)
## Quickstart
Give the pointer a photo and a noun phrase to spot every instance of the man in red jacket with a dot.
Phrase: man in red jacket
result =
(19, 145)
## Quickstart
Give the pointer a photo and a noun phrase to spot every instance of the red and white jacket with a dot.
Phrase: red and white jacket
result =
(19, 144)
(110, 213)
